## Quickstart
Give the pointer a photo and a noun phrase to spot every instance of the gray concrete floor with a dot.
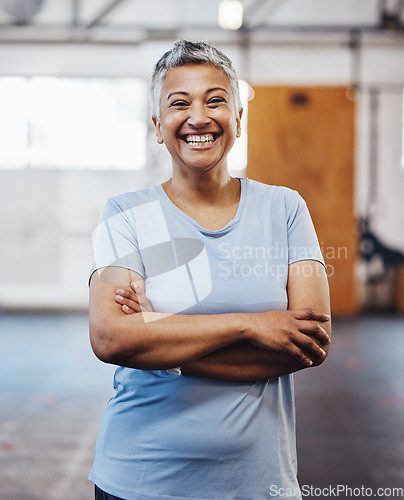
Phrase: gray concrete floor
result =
(52, 394)
(350, 411)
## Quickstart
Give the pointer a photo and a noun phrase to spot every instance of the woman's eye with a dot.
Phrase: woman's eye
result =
(179, 104)
(216, 100)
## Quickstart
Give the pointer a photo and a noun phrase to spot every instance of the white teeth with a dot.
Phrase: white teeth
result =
(199, 140)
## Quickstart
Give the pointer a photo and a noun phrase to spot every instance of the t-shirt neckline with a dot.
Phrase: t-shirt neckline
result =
(219, 232)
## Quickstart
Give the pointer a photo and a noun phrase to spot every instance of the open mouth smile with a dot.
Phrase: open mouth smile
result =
(195, 140)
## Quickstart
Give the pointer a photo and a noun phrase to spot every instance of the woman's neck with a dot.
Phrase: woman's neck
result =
(205, 188)
(212, 202)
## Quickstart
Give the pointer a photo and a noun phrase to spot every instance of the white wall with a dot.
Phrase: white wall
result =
(47, 217)
(46, 221)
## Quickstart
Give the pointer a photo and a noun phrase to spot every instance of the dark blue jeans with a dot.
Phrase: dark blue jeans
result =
(101, 495)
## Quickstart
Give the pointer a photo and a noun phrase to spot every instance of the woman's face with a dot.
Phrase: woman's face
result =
(198, 118)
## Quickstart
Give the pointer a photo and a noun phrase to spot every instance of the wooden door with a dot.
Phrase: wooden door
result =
(303, 138)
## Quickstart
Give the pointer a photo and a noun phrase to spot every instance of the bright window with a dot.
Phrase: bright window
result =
(73, 123)
(84, 123)
(402, 132)
(238, 155)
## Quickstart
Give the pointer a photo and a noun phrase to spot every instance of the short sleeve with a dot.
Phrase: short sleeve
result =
(302, 239)
(114, 240)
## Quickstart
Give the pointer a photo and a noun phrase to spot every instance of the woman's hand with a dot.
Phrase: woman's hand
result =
(134, 300)
(295, 332)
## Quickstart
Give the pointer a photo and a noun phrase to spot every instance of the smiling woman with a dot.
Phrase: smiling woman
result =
(222, 426)
(198, 120)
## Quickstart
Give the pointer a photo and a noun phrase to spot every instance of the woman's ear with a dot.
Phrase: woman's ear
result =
(238, 122)
(157, 129)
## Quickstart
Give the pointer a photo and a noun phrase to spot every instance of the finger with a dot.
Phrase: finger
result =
(137, 288)
(131, 304)
(142, 297)
(310, 314)
(311, 347)
(127, 310)
(139, 298)
(298, 354)
(128, 294)
(314, 328)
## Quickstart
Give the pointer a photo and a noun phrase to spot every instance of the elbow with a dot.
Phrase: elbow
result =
(111, 344)
(101, 344)
(102, 353)
(104, 341)
(318, 362)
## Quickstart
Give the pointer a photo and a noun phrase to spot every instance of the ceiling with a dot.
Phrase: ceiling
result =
(138, 21)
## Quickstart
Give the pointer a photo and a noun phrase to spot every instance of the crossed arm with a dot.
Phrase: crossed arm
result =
(241, 347)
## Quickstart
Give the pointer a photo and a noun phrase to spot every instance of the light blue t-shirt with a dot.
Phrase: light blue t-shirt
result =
(167, 436)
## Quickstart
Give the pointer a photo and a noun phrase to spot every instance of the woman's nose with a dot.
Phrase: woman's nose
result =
(198, 116)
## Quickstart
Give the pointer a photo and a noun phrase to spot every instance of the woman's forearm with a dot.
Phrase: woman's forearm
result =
(243, 362)
(155, 341)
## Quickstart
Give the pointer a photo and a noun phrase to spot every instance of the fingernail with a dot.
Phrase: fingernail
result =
(328, 316)
(118, 297)
(310, 363)
(134, 285)
(120, 291)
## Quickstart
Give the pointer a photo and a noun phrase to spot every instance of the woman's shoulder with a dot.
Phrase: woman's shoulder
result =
(131, 199)
(274, 194)
(266, 198)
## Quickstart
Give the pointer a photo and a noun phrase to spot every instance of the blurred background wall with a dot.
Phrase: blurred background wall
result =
(326, 119)
(322, 90)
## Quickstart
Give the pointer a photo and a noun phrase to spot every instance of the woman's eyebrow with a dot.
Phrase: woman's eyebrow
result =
(216, 88)
(182, 92)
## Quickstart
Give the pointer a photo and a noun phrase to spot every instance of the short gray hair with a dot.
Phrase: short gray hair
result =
(186, 52)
